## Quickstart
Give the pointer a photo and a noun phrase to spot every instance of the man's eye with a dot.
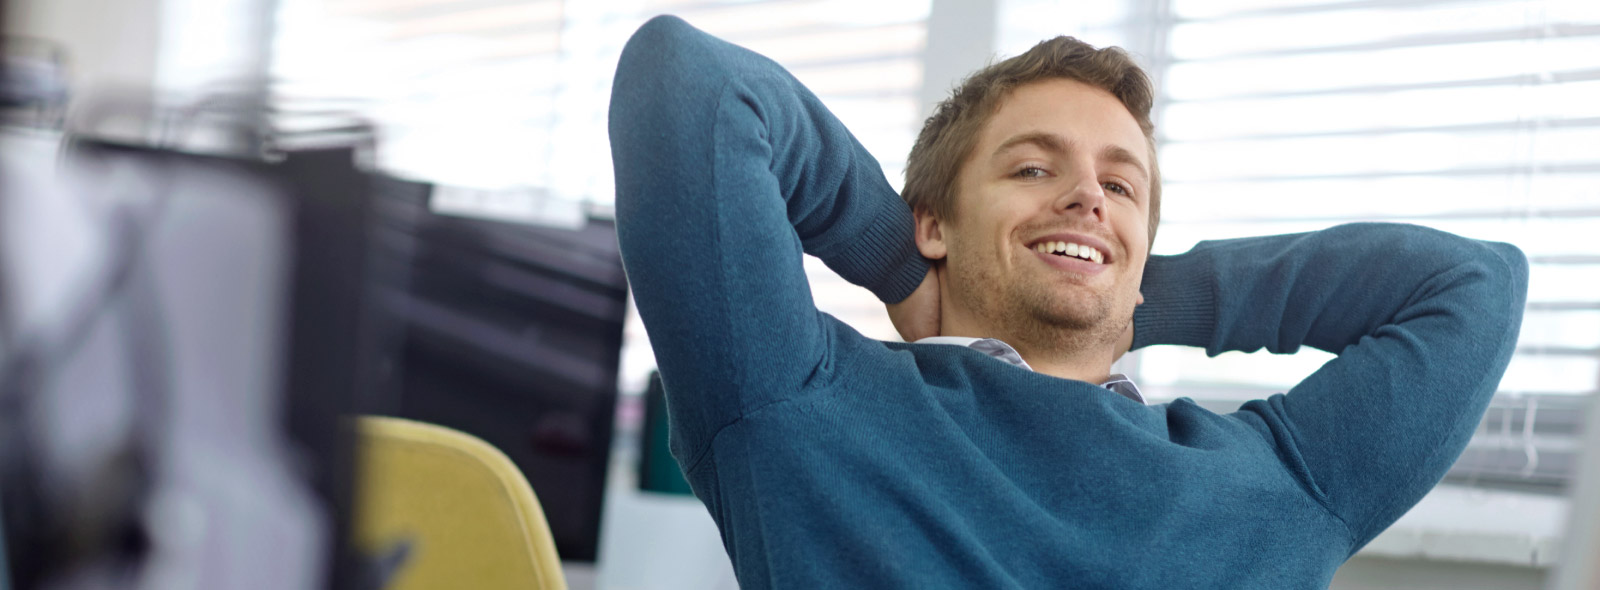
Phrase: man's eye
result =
(1030, 172)
(1117, 188)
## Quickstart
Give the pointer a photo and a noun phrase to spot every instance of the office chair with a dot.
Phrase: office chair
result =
(450, 509)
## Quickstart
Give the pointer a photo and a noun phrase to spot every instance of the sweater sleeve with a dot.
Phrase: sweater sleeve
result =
(727, 169)
(1423, 322)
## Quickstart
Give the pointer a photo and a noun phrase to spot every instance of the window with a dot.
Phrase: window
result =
(470, 93)
(1475, 117)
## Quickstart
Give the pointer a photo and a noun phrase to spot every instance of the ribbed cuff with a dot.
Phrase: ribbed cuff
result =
(884, 257)
(1180, 301)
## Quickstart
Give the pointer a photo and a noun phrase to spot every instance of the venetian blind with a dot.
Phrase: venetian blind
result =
(1481, 118)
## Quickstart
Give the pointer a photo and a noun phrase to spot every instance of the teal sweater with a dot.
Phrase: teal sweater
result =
(831, 460)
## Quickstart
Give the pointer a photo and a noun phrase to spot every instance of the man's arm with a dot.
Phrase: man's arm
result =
(1424, 324)
(726, 169)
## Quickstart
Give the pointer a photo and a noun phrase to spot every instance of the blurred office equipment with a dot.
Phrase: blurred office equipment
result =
(193, 295)
(451, 508)
(513, 334)
(252, 305)
(183, 329)
(34, 86)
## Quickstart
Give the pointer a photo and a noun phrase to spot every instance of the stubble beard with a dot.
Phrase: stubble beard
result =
(1039, 318)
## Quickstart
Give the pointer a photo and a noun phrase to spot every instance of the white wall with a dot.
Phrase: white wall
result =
(126, 51)
(110, 43)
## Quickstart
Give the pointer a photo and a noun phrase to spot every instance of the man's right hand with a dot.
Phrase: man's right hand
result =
(917, 316)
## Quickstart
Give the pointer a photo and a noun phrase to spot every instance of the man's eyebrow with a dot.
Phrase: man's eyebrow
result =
(1120, 155)
(1049, 142)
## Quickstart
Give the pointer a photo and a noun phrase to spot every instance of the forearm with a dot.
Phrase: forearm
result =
(1424, 324)
(1325, 289)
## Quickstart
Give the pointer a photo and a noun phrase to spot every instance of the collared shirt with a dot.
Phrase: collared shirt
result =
(1117, 382)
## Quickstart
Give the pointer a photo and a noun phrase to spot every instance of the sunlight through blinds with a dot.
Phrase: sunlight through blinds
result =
(1480, 118)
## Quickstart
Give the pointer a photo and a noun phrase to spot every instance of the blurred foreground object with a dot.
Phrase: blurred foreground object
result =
(190, 309)
(180, 335)
(33, 81)
(1580, 558)
(454, 505)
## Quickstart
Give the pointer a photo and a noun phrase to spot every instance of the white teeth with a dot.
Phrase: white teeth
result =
(1071, 249)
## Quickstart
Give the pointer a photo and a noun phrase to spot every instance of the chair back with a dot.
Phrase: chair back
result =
(466, 512)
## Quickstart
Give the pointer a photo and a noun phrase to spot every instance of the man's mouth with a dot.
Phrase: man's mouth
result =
(1071, 249)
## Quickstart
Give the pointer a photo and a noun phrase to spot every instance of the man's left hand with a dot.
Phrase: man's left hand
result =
(917, 316)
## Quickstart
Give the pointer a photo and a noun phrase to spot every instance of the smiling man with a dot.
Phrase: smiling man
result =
(996, 450)
(1046, 249)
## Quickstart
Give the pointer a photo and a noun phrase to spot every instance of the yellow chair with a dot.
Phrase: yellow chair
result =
(470, 516)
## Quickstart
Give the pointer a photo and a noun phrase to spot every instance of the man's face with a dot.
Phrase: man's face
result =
(1060, 162)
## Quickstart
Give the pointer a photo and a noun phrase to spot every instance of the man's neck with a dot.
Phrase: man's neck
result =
(1054, 352)
(1082, 365)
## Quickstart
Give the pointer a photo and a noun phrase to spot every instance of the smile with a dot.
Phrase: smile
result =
(1071, 249)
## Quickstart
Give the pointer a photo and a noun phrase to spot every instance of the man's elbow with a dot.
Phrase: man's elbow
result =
(1501, 289)
(1500, 268)
(1486, 281)
(1505, 270)
(1515, 268)
(659, 58)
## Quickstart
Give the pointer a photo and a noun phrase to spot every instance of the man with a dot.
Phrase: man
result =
(1013, 459)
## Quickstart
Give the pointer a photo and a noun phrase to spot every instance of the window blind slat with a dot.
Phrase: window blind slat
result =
(1404, 152)
(1398, 68)
(515, 16)
(741, 20)
(819, 44)
(1364, 29)
(1432, 109)
(1560, 329)
(1197, 10)
(1414, 197)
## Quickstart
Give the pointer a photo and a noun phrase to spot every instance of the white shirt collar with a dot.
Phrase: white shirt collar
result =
(1118, 383)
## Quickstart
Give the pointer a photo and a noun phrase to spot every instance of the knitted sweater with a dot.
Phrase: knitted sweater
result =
(831, 460)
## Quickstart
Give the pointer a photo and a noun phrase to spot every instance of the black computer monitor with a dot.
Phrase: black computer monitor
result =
(513, 334)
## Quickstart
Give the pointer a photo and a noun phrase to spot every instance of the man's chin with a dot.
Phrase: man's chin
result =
(1091, 316)
(1076, 320)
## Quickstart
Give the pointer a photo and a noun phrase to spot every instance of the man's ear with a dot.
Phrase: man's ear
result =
(930, 236)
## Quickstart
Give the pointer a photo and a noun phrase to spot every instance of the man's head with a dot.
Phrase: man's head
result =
(1054, 145)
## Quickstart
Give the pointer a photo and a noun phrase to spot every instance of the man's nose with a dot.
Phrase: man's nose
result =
(1085, 197)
